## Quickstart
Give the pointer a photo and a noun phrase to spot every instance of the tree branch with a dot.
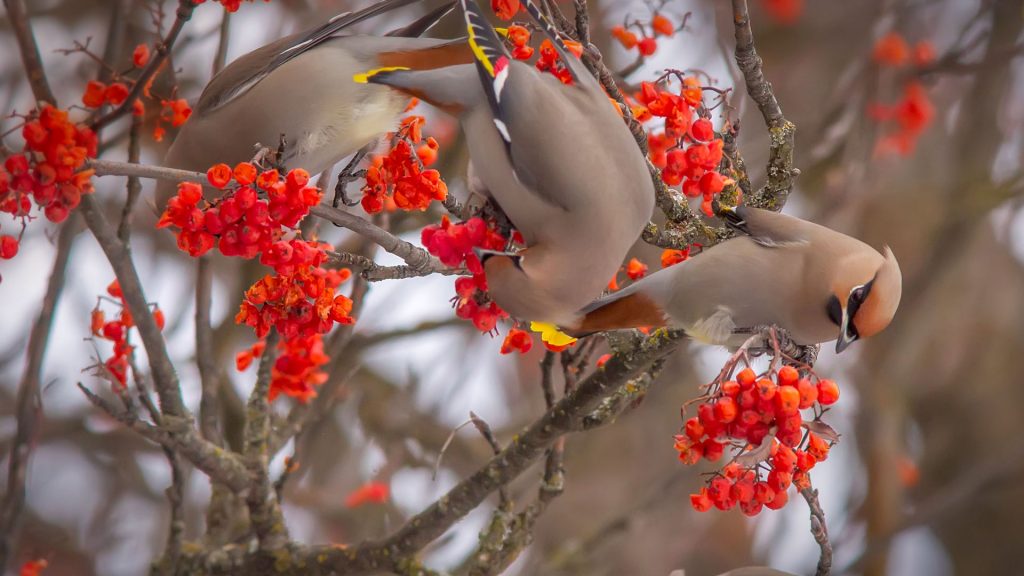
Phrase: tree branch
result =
(163, 51)
(29, 403)
(164, 377)
(29, 49)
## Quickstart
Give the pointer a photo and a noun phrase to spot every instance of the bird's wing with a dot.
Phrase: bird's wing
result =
(247, 71)
(767, 228)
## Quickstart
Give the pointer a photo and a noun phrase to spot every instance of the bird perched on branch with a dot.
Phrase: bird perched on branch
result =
(301, 87)
(813, 282)
(559, 161)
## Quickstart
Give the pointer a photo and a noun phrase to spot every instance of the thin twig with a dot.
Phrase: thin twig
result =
(18, 16)
(164, 376)
(819, 530)
(29, 406)
(221, 58)
(134, 186)
(264, 509)
(163, 51)
(208, 374)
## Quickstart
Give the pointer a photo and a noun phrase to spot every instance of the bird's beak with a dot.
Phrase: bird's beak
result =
(846, 337)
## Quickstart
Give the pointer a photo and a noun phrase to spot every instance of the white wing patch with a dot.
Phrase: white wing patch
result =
(715, 329)
(503, 130)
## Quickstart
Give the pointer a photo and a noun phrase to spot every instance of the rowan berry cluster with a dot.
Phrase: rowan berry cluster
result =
(296, 372)
(299, 300)
(47, 172)
(240, 223)
(910, 116)
(397, 179)
(687, 151)
(172, 111)
(453, 245)
(759, 418)
(645, 39)
(258, 217)
(116, 331)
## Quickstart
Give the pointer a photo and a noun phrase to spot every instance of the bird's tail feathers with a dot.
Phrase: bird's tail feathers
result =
(627, 308)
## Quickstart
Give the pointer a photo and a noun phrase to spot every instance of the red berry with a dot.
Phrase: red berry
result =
(766, 389)
(780, 500)
(746, 378)
(788, 376)
(694, 429)
(647, 46)
(725, 410)
(808, 393)
(787, 400)
(731, 388)
(828, 392)
(701, 502)
(8, 247)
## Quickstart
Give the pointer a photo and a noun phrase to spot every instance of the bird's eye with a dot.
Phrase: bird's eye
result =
(857, 295)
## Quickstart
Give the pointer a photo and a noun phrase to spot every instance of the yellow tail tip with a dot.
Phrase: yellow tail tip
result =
(364, 77)
(550, 334)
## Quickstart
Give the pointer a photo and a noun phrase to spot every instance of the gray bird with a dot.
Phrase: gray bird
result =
(814, 282)
(557, 159)
(301, 86)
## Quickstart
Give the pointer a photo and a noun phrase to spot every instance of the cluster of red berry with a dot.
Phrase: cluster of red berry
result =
(116, 331)
(686, 151)
(646, 42)
(240, 223)
(300, 298)
(758, 416)
(47, 171)
(173, 112)
(397, 179)
(296, 372)
(911, 115)
(453, 245)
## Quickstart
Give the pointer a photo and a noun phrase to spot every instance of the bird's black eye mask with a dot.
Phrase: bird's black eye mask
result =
(856, 298)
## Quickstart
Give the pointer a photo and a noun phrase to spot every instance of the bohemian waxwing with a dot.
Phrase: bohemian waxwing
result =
(559, 161)
(815, 283)
(301, 87)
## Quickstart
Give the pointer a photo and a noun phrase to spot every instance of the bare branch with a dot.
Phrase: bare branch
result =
(29, 403)
(163, 50)
(819, 530)
(164, 376)
(18, 16)
(781, 173)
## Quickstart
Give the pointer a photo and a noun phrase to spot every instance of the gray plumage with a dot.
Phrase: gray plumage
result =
(300, 86)
(783, 272)
(569, 175)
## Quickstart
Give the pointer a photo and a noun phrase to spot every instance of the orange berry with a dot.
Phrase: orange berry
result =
(731, 388)
(780, 500)
(694, 429)
(140, 56)
(725, 410)
(766, 389)
(788, 376)
(808, 393)
(663, 25)
(787, 400)
(219, 175)
(746, 378)
(828, 392)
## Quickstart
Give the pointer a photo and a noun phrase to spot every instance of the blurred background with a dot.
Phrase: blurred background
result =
(927, 480)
